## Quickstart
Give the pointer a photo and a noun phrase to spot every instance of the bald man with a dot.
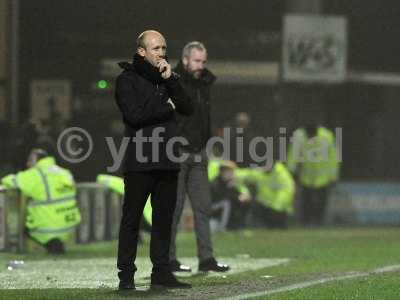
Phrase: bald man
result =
(148, 93)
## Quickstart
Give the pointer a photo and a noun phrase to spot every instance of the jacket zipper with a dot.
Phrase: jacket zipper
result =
(202, 113)
(158, 90)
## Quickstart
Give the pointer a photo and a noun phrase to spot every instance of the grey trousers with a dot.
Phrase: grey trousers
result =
(193, 180)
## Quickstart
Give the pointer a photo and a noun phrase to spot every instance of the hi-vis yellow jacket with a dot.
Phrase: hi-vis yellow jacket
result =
(51, 209)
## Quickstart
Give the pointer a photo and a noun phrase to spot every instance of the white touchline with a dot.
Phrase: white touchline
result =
(305, 284)
(100, 272)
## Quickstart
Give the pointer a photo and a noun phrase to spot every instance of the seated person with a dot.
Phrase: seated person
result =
(52, 213)
(230, 199)
(275, 190)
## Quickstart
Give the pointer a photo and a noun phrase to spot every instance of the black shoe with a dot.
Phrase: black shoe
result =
(126, 285)
(167, 281)
(55, 246)
(212, 265)
(176, 266)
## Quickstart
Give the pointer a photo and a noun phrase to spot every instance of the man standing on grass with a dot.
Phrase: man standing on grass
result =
(148, 93)
(193, 178)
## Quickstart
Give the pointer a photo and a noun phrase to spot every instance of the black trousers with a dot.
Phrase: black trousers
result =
(313, 205)
(265, 216)
(162, 185)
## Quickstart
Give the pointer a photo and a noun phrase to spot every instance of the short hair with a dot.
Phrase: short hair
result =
(39, 153)
(140, 40)
(228, 165)
(192, 45)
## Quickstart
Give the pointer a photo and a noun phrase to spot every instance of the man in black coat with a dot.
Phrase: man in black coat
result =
(193, 178)
(148, 93)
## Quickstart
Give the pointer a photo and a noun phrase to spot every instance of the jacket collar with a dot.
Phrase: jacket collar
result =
(143, 68)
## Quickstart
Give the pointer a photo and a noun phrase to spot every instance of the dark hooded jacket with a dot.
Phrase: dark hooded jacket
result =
(142, 94)
(196, 128)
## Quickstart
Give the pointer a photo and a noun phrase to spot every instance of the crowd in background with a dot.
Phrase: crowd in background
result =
(246, 209)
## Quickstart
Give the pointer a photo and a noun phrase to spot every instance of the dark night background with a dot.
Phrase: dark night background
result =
(68, 39)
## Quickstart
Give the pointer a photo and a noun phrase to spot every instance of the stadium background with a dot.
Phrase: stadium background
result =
(76, 43)
(70, 40)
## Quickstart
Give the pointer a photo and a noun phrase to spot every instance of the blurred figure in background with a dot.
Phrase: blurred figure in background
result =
(25, 139)
(312, 159)
(45, 139)
(242, 120)
(193, 180)
(240, 152)
(7, 149)
(230, 199)
(275, 190)
(52, 213)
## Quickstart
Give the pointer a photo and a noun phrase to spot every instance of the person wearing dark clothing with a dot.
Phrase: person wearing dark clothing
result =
(313, 160)
(196, 128)
(147, 94)
(25, 139)
(193, 178)
(240, 153)
(230, 198)
(313, 205)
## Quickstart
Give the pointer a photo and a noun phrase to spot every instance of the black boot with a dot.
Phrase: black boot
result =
(167, 280)
(126, 285)
(176, 266)
(212, 265)
(126, 281)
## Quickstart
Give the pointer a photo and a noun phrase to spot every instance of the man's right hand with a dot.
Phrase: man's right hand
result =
(164, 68)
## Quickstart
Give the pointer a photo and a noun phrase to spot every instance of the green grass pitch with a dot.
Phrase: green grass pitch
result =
(261, 260)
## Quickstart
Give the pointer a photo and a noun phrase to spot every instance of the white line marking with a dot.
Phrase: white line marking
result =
(102, 273)
(305, 284)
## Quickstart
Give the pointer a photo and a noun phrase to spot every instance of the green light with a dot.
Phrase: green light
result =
(102, 84)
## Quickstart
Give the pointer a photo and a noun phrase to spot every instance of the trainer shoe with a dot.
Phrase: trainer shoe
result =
(212, 265)
(176, 266)
(126, 285)
(167, 280)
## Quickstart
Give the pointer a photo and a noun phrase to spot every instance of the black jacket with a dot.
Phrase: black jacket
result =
(221, 191)
(142, 94)
(196, 128)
